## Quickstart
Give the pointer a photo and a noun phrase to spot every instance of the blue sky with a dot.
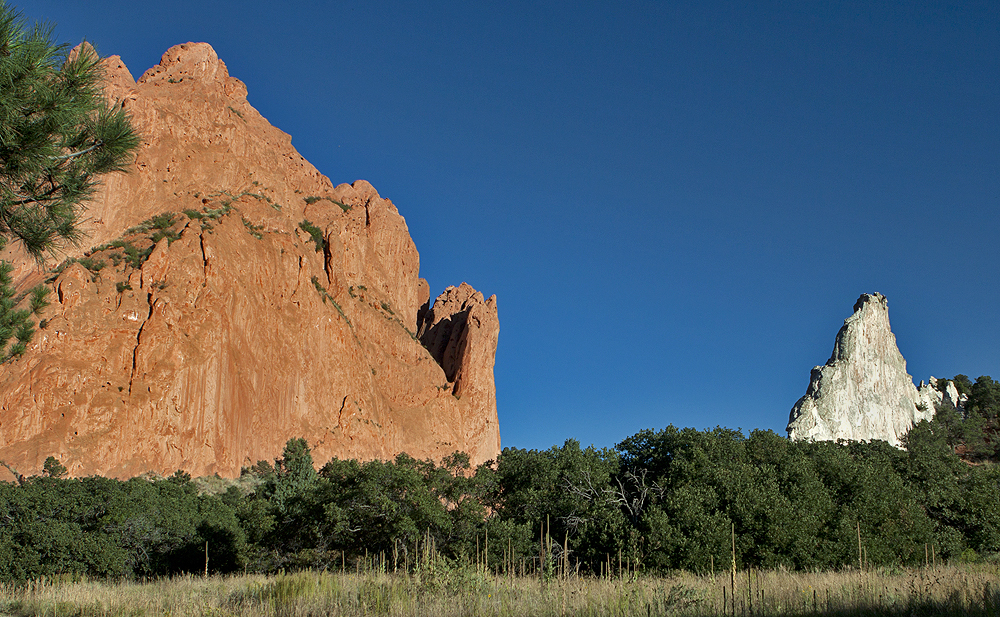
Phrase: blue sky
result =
(676, 203)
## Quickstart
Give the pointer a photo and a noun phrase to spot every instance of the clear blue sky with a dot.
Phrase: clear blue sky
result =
(676, 203)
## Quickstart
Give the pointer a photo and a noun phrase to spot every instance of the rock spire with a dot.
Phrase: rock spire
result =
(863, 392)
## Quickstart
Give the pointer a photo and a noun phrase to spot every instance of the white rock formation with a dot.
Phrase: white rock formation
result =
(863, 392)
(930, 395)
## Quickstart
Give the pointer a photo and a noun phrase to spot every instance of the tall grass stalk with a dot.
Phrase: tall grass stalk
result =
(443, 590)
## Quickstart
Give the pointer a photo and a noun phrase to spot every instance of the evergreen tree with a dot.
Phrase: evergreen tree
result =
(14, 322)
(57, 136)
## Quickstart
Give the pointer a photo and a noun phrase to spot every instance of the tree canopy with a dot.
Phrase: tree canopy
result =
(660, 501)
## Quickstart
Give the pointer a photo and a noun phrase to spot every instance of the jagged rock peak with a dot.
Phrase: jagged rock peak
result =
(196, 61)
(453, 327)
(863, 392)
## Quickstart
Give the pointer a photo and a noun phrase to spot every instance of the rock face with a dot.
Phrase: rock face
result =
(235, 298)
(863, 392)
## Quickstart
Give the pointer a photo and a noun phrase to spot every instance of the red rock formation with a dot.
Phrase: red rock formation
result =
(460, 331)
(204, 340)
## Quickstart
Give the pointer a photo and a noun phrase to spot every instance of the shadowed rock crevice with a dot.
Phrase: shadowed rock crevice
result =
(138, 339)
(455, 326)
(460, 331)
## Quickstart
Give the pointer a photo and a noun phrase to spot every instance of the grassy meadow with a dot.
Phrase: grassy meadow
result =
(442, 591)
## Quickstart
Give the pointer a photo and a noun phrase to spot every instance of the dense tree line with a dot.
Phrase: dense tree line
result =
(972, 431)
(104, 527)
(660, 500)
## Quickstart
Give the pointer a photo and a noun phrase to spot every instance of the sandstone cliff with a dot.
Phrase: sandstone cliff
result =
(863, 392)
(234, 298)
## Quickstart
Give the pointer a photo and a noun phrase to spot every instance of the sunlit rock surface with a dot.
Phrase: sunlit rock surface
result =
(241, 329)
(863, 392)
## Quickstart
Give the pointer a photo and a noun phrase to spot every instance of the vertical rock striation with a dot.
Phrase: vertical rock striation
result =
(863, 392)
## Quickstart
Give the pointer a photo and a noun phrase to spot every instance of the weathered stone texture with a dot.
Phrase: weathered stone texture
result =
(932, 398)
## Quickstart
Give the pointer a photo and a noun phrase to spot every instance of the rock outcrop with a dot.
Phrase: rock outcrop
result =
(863, 392)
(934, 394)
(460, 331)
(235, 298)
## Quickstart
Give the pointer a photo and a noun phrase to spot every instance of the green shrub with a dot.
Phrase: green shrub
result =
(92, 264)
(169, 234)
(255, 230)
(134, 257)
(217, 213)
(160, 221)
(314, 232)
(323, 293)
(314, 198)
(53, 468)
(320, 289)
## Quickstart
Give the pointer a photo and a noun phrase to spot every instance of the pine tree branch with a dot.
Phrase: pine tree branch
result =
(78, 153)
(30, 199)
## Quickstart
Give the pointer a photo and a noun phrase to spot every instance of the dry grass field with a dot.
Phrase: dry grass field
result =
(453, 592)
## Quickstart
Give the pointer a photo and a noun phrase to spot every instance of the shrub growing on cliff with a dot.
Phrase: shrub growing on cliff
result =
(53, 468)
(314, 232)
